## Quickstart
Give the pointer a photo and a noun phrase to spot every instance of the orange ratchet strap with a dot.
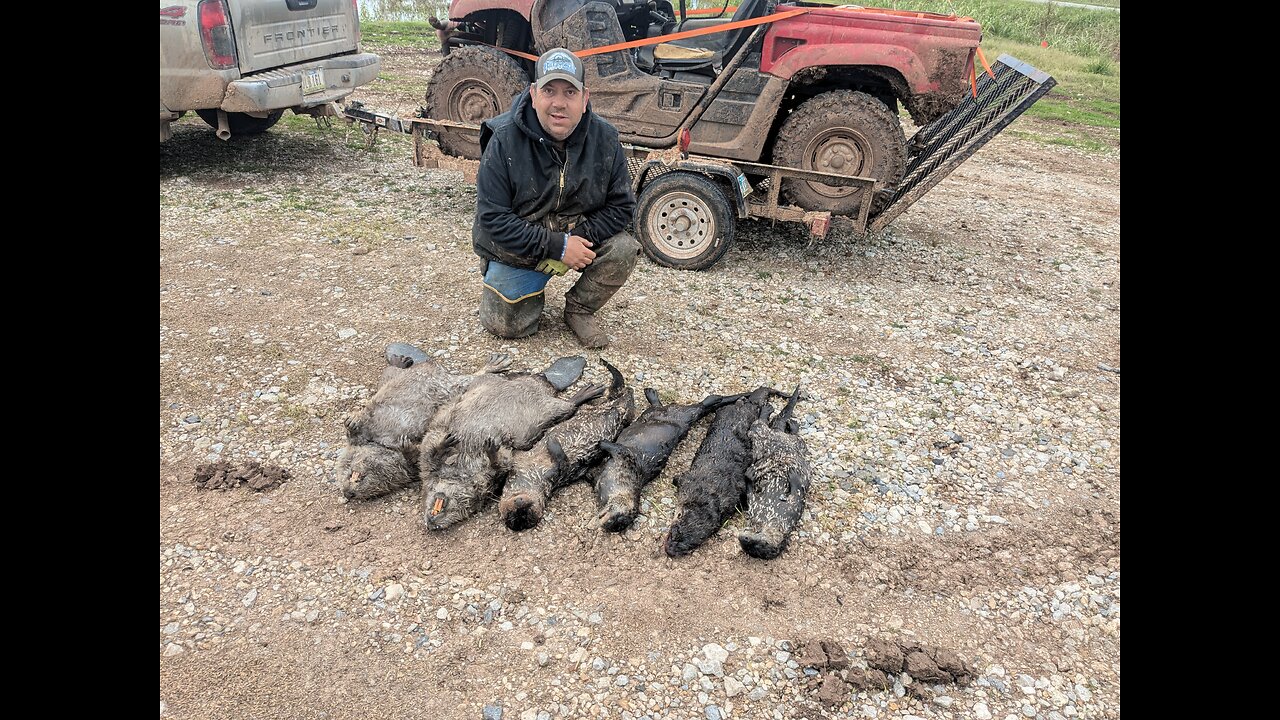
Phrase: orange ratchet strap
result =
(692, 33)
(973, 71)
(509, 51)
(983, 58)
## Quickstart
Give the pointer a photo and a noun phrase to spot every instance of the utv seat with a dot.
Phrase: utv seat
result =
(706, 51)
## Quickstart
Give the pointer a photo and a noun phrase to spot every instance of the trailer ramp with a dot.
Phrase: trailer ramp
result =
(940, 147)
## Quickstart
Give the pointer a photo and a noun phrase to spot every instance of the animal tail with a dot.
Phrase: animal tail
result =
(783, 421)
(715, 402)
(615, 388)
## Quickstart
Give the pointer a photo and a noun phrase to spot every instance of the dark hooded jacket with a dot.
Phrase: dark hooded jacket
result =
(524, 208)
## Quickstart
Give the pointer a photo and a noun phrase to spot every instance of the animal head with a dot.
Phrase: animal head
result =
(691, 528)
(522, 510)
(765, 543)
(367, 471)
(462, 483)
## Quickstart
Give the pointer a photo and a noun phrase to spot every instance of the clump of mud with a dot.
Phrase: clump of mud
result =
(221, 476)
(926, 663)
(886, 660)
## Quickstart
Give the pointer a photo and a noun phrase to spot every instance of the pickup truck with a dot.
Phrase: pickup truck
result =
(239, 64)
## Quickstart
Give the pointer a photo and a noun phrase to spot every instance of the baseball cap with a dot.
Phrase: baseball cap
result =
(559, 64)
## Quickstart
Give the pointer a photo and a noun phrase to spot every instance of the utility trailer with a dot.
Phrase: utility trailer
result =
(687, 205)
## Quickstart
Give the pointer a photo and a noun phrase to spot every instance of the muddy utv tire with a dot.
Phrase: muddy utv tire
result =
(847, 133)
(684, 221)
(240, 123)
(471, 85)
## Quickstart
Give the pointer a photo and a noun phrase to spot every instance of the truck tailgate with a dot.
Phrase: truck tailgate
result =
(274, 33)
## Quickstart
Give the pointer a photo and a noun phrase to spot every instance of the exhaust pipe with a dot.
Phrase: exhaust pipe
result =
(224, 131)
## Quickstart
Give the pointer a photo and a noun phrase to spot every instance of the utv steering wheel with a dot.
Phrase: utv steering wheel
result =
(661, 11)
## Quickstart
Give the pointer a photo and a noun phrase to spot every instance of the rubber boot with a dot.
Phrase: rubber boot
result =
(614, 261)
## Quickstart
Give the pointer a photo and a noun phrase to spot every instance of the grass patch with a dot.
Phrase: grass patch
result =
(1080, 141)
(1091, 33)
(1091, 113)
(1101, 66)
(399, 33)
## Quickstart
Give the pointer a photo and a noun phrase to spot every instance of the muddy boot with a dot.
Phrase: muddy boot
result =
(615, 259)
(510, 319)
(586, 327)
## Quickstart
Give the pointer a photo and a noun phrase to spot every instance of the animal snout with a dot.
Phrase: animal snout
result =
(759, 545)
(520, 512)
(349, 487)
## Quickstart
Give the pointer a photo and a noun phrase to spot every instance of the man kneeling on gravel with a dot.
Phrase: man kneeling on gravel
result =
(552, 194)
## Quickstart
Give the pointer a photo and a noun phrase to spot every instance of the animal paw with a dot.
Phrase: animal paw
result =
(498, 363)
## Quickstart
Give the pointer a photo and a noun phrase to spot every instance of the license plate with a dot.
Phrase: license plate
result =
(312, 81)
(744, 187)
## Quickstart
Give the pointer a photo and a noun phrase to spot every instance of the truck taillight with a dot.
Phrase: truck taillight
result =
(215, 33)
(355, 11)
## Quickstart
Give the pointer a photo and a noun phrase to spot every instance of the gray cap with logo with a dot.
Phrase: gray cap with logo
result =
(559, 64)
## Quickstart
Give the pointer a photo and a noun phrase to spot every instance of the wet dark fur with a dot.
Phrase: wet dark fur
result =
(565, 455)
(641, 452)
(715, 485)
(779, 477)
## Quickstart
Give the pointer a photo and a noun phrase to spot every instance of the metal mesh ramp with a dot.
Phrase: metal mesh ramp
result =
(940, 147)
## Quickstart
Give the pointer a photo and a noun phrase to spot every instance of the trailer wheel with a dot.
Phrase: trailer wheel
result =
(684, 221)
(471, 85)
(844, 132)
(240, 123)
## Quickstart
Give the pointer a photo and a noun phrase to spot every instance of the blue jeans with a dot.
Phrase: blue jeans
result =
(512, 298)
(512, 283)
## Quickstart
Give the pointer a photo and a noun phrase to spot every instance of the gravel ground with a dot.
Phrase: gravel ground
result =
(963, 423)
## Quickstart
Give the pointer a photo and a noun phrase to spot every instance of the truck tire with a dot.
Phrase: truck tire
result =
(471, 85)
(843, 132)
(684, 221)
(240, 123)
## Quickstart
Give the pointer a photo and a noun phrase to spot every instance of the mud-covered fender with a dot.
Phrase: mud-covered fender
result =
(922, 75)
(462, 8)
(727, 172)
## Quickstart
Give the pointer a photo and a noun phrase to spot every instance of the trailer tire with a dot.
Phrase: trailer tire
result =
(240, 123)
(844, 132)
(684, 221)
(471, 85)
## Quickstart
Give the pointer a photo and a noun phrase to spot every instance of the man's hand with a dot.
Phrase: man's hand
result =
(577, 252)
